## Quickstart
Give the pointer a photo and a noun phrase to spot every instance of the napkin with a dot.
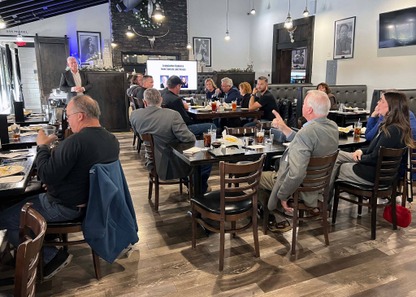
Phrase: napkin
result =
(12, 155)
(226, 105)
(192, 150)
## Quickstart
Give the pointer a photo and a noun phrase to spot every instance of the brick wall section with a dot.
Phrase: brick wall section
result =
(173, 44)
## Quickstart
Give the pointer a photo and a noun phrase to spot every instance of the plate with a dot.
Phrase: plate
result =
(232, 140)
(10, 170)
(203, 109)
(244, 108)
(31, 128)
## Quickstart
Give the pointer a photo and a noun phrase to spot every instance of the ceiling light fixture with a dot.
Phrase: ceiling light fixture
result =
(189, 45)
(288, 22)
(227, 32)
(158, 13)
(306, 11)
(252, 10)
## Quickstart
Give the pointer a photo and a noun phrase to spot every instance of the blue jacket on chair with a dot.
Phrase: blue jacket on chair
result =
(110, 221)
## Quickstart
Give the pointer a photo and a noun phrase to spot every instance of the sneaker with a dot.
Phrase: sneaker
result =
(61, 260)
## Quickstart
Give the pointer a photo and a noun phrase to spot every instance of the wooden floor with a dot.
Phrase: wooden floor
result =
(163, 263)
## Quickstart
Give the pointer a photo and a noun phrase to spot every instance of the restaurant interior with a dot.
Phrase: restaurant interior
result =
(295, 44)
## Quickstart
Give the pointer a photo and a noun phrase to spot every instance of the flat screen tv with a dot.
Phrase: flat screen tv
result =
(161, 70)
(397, 28)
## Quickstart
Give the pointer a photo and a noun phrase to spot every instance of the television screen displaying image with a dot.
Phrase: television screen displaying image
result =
(397, 28)
(161, 70)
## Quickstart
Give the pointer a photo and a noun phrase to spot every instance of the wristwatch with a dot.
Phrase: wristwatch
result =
(42, 146)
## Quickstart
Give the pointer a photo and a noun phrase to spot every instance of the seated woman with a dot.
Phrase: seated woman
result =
(325, 88)
(245, 91)
(360, 166)
(210, 88)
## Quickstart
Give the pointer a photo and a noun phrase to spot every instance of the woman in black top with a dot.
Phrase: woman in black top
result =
(245, 91)
(210, 88)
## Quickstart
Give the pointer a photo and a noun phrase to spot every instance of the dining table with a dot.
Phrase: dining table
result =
(199, 113)
(348, 117)
(16, 184)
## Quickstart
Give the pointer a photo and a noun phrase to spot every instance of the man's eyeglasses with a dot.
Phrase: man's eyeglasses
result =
(68, 115)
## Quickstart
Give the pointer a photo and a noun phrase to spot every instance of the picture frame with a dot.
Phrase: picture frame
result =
(202, 50)
(344, 34)
(89, 46)
(299, 58)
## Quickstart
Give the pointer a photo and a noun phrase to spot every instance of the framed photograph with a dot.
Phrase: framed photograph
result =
(299, 58)
(89, 46)
(344, 38)
(202, 50)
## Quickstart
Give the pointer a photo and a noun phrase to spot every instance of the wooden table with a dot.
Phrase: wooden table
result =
(24, 142)
(13, 189)
(204, 157)
(209, 115)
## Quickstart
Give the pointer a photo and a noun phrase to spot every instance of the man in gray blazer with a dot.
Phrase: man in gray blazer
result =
(318, 137)
(166, 126)
(73, 81)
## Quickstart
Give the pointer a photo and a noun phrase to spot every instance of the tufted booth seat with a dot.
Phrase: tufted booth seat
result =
(349, 95)
(410, 93)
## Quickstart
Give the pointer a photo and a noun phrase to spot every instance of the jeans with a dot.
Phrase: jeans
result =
(199, 129)
(50, 210)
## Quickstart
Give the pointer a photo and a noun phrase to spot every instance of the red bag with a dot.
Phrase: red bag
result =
(404, 216)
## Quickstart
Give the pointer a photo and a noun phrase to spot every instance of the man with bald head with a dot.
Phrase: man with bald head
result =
(65, 173)
(73, 81)
(318, 137)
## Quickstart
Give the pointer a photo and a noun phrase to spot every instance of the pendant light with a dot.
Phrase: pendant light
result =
(288, 22)
(189, 45)
(227, 32)
(306, 11)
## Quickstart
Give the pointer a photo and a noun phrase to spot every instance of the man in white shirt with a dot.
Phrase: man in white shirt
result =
(73, 81)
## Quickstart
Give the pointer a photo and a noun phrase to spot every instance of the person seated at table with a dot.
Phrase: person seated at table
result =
(262, 99)
(210, 88)
(166, 126)
(245, 91)
(318, 137)
(172, 100)
(325, 88)
(394, 132)
(136, 83)
(65, 173)
(147, 83)
(228, 91)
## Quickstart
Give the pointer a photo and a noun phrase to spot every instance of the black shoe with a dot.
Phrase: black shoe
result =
(61, 260)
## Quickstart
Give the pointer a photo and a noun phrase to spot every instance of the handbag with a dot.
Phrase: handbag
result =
(403, 215)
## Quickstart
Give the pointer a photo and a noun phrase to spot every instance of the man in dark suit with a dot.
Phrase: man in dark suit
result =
(73, 81)
(166, 125)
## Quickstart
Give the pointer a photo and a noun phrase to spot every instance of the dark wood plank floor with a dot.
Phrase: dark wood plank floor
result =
(163, 263)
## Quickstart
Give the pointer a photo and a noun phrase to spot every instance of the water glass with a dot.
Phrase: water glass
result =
(213, 133)
(49, 130)
(15, 128)
(260, 136)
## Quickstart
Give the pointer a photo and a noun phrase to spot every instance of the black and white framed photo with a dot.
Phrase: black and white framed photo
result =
(202, 50)
(89, 46)
(344, 38)
(299, 58)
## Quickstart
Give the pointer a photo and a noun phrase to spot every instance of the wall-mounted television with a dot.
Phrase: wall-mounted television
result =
(397, 28)
(161, 70)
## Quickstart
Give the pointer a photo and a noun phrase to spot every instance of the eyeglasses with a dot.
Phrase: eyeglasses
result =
(68, 115)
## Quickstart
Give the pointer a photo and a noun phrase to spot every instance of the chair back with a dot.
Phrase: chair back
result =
(388, 164)
(132, 103)
(149, 149)
(241, 131)
(318, 174)
(239, 182)
(32, 230)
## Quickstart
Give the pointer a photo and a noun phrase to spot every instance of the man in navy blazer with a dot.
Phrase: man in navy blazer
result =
(73, 81)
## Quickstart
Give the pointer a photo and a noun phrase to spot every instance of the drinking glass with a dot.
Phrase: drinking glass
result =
(213, 133)
(260, 136)
(357, 130)
(207, 139)
(214, 106)
(15, 128)
(234, 105)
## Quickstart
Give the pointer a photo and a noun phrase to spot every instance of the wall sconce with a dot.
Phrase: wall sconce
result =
(227, 32)
(129, 32)
(158, 13)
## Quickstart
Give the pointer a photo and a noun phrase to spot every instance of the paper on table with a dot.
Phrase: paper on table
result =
(255, 146)
(11, 179)
(12, 155)
(192, 150)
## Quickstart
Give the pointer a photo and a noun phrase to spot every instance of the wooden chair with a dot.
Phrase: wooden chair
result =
(385, 185)
(234, 202)
(32, 230)
(153, 176)
(133, 105)
(63, 229)
(240, 131)
(406, 182)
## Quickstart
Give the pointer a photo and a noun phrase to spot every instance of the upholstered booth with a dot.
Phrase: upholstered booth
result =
(349, 95)
(410, 93)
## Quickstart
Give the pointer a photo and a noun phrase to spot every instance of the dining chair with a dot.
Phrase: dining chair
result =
(133, 105)
(318, 174)
(154, 177)
(385, 185)
(227, 210)
(32, 229)
(406, 181)
(241, 131)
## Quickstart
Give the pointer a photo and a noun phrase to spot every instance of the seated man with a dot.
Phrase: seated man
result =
(166, 126)
(262, 99)
(173, 101)
(229, 92)
(318, 137)
(65, 172)
(147, 82)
